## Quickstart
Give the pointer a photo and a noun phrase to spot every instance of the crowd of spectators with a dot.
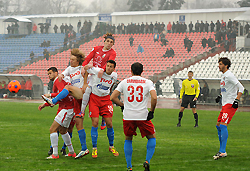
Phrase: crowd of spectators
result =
(13, 28)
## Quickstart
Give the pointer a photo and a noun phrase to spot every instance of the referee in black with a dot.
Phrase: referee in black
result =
(188, 95)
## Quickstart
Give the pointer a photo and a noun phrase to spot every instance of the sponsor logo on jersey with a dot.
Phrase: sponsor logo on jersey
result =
(76, 73)
(224, 116)
(223, 90)
(223, 83)
(103, 55)
(75, 81)
(106, 81)
(192, 85)
(100, 86)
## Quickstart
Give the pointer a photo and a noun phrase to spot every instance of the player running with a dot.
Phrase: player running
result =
(136, 90)
(231, 91)
(63, 118)
(76, 79)
(100, 103)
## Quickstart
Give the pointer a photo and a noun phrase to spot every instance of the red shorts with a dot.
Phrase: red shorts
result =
(100, 106)
(77, 106)
(226, 114)
(145, 127)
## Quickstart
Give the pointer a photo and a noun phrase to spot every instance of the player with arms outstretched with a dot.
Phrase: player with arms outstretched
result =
(136, 90)
(100, 103)
(231, 91)
(63, 118)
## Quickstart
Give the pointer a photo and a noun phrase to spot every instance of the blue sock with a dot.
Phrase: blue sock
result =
(219, 135)
(128, 150)
(110, 134)
(60, 96)
(64, 145)
(150, 149)
(94, 136)
(82, 138)
(224, 136)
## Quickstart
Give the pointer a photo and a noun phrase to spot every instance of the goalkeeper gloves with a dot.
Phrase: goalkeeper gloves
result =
(218, 99)
(150, 115)
(235, 104)
(122, 108)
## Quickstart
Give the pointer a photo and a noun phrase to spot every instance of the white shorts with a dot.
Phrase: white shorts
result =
(64, 117)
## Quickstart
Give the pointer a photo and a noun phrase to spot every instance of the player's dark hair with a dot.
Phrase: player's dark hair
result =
(79, 55)
(112, 62)
(190, 72)
(137, 68)
(225, 61)
(109, 36)
(54, 69)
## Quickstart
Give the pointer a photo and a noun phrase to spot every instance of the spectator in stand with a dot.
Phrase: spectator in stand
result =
(70, 27)
(206, 27)
(46, 54)
(166, 53)
(131, 41)
(163, 39)
(65, 42)
(210, 42)
(79, 24)
(197, 26)
(247, 28)
(140, 49)
(119, 29)
(22, 92)
(171, 52)
(41, 28)
(189, 45)
(151, 27)
(156, 37)
(202, 26)
(169, 27)
(218, 25)
(190, 26)
(43, 44)
(12, 28)
(34, 28)
(55, 28)
(146, 28)
(184, 30)
(177, 27)
(123, 28)
(29, 28)
(185, 41)
(32, 55)
(204, 42)
(218, 36)
(223, 24)
(173, 28)
(62, 28)
(16, 28)
(204, 93)
(142, 27)
(9, 29)
(47, 28)
(28, 88)
(212, 25)
(89, 26)
(229, 24)
(66, 28)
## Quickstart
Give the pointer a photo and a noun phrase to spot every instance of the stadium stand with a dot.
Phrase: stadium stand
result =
(152, 57)
(208, 69)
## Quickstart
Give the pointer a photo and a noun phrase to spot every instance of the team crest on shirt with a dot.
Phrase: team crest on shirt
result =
(192, 85)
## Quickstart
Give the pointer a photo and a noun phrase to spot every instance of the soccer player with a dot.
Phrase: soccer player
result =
(100, 103)
(76, 79)
(231, 91)
(136, 90)
(191, 90)
(100, 56)
(63, 118)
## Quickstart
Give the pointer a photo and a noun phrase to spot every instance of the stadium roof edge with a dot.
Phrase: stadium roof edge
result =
(181, 11)
(243, 17)
(54, 15)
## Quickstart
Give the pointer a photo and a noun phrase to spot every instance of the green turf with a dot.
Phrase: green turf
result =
(24, 142)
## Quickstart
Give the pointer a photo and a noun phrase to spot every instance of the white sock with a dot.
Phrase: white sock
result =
(67, 140)
(85, 98)
(54, 142)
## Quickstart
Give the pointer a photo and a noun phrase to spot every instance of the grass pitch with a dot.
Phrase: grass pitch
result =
(24, 142)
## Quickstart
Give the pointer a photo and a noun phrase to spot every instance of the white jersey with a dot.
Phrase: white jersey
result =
(136, 90)
(228, 87)
(101, 86)
(75, 75)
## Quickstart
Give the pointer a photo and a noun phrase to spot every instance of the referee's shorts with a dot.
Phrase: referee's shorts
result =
(188, 99)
